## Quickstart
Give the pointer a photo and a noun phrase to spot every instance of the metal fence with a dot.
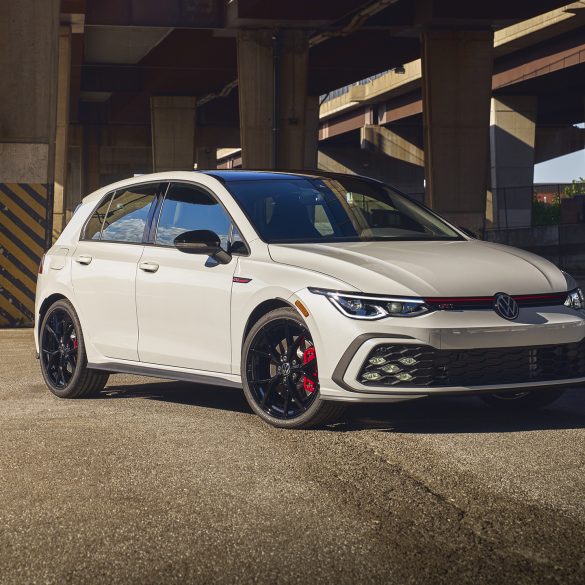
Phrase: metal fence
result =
(534, 205)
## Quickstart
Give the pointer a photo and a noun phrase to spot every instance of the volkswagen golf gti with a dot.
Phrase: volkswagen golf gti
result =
(308, 290)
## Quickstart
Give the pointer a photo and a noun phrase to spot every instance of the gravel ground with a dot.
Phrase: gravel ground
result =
(162, 482)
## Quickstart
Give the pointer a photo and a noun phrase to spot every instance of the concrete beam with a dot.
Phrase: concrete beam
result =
(555, 141)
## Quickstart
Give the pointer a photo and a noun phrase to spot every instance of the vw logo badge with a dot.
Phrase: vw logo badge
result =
(505, 306)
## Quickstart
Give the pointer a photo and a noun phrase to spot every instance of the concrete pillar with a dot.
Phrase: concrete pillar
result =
(457, 74)
(62, 130)
(401, 155)
(311, 132)
(91, 152)
(75, 185)
(206, 158)
(173, 132)
(512, 133)
(393, 155)
(272, 72)
(28, 60)
(29, 39)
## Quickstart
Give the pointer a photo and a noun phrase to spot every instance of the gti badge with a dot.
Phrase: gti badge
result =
(505, 306)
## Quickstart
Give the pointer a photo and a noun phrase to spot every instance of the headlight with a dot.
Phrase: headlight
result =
(575, 299)
(358, 306)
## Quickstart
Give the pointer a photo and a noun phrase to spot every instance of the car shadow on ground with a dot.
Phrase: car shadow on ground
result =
(438, 415)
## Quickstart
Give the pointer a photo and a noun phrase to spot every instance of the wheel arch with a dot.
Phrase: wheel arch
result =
(262, 309)
(52, 298)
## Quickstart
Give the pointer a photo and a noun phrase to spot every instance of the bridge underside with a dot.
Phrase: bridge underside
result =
(99, 90)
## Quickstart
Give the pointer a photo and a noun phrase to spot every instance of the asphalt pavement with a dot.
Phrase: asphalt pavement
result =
(163, 482)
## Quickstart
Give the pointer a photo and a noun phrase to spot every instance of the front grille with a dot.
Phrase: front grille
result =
(487, 303)
(425, 366)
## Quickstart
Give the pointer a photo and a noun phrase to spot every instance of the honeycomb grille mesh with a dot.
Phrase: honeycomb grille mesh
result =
(425, 366)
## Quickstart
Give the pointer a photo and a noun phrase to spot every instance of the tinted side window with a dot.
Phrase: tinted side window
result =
(93, 228)
(128, 214)
(188, 208)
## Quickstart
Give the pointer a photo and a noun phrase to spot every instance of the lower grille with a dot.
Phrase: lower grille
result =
(425, 366)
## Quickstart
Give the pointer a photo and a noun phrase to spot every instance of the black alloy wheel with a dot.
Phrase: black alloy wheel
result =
(62, 354)
(280, 372)
(59, 348)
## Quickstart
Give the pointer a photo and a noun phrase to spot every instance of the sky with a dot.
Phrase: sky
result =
(561, 170)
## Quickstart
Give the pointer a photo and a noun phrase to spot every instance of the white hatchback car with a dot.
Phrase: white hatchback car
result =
(310, 290)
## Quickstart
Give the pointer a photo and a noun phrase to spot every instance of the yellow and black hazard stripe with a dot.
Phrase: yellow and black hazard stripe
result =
(25, 232)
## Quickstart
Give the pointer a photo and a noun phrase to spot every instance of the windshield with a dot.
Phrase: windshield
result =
(306, 209)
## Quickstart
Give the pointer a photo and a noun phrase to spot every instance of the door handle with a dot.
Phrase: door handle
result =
(148, 266)
(83, 259)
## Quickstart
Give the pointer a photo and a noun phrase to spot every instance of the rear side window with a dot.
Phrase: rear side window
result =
(93, 229)
(188, 208)
(128, 214)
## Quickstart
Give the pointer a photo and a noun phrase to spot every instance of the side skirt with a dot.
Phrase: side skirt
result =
(115, 368)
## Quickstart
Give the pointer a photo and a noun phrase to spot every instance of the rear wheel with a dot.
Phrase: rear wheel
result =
(62, 354)
(280, 375)
(519, 401)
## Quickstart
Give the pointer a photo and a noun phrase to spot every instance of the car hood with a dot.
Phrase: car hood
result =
(435, 268)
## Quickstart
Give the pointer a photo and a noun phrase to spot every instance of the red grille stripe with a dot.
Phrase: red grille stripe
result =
(455, 300)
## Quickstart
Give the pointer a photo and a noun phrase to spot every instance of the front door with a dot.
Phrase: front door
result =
(183, 300)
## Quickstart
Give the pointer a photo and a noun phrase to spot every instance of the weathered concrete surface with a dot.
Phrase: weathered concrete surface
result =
(157, 482)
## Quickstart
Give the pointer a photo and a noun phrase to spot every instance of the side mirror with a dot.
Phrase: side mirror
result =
(203, 242)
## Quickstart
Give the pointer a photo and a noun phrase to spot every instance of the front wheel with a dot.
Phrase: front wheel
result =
(280, 374)
(62, 354)
(519, 401)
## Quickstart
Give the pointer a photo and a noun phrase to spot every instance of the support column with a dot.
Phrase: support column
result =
(62, 130)
(393, 155)
(206, 158)
(173, 132)
(457, 74)
(29, 30)
(512, 133)
(312, 132)
(91, 154)
(400, 153)
(272, 71)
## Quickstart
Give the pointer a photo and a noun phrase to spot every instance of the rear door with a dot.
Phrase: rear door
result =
(104, 269)
(183, 300)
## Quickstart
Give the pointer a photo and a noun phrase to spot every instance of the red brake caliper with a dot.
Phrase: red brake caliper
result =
(308, 356)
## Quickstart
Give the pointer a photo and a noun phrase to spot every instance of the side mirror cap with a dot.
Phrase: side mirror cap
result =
(203, 242)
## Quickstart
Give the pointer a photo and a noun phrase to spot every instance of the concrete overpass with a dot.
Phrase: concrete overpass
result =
(94, 90)
(538, 95)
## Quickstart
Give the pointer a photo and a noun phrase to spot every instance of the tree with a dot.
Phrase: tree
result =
(577, 187)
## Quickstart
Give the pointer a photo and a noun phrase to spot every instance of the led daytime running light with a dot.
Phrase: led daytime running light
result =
(356, 306)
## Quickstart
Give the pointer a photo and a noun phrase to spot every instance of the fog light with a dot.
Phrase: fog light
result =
(403, 377)
(390, 369)
(372, 376)
(377, 361)
(407, 361)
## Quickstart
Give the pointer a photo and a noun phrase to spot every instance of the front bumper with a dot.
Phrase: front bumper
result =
(343, 345)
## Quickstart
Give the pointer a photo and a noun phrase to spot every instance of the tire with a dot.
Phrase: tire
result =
(63, 357)
(293, 401)
(522, 401)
